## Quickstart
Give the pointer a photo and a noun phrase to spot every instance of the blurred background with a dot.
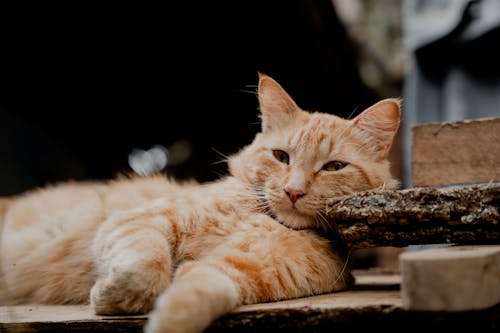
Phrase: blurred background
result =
(87, 92)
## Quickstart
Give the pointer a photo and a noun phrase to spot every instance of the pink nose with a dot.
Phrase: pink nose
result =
(294, 194)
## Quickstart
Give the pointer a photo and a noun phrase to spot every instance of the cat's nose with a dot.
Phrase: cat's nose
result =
(294, 194)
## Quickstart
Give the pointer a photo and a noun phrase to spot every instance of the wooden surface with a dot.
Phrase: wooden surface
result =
(466, 215)
(463, 152)
(372, 290)
(451, 278)
(373, 300)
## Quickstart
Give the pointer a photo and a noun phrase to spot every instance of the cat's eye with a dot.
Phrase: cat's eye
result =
(281, 156)
(334, 166)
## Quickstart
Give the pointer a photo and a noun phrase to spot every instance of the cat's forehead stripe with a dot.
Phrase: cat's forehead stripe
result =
(317, 131)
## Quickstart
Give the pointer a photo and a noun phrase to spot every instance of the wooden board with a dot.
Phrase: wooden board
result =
(374, 289)
(451, 278)
(450, 153)
(83, 313)
(374, 300)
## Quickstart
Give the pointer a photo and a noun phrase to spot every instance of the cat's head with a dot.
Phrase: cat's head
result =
(301, 158)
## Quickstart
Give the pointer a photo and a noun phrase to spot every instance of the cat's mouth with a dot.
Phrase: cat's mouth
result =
(292, 227)
(287, 213)
(279, 218)
(293, 218)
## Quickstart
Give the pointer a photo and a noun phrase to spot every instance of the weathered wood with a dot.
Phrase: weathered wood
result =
(64, 318)
(462, 152)
(374, 300)
(451, 278)
(380, 309)
(465, 215)
(373, 289)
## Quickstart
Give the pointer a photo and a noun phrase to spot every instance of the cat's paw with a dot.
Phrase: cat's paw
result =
(124, 293)
(177, 320)
(199, 295)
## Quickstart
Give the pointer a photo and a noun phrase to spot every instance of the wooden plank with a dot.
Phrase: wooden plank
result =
(367, 293)
(354, 309)
(24, 318)
(466, 215)
(374, 300)
(462, 152)
(22, 314)
(54, 313)
(452, 278)
(366, 279)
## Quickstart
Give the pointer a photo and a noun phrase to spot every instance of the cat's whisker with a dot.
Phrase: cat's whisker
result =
(220, 173)
(344, 267)
(253, 92)
(319, 222)
(264, 205)
(353, 112)
(324, 223)
(223, 161)
(224, 156)
(261, 206)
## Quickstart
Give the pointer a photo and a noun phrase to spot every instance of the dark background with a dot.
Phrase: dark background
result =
(81, 87)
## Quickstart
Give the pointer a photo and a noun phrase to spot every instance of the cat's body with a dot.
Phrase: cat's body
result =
(192, 252)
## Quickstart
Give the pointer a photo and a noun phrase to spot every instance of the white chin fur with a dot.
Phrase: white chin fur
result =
(294, 219)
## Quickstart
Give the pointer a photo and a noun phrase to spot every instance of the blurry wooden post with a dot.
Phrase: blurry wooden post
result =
(456, 153)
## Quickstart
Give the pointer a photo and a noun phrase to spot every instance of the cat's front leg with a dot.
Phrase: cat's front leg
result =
(133, 261)
(249, 268)
(200, 293)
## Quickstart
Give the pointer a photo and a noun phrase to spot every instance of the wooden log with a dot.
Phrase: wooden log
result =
(461, 152)
(464, 215)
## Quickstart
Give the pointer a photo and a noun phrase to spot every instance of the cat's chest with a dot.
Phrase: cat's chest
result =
(217, 217)
(220, 206)
(218, 223)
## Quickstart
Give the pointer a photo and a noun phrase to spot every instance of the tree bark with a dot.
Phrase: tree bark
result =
(463, 215)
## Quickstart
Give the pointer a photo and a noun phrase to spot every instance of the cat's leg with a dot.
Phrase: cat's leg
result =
(133, 260)
(200, 293)
(269, 267)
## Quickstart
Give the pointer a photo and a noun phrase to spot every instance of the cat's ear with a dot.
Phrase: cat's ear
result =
(381, 122)
(276, 106)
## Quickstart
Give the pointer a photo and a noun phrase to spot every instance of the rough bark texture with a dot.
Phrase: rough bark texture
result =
(464, 215)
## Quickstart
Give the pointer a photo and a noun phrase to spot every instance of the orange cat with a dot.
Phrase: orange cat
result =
(189, 253)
